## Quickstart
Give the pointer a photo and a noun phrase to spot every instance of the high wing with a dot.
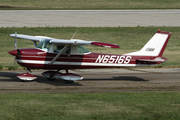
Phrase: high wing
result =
(29, 37)
(83, 42)
(63, 41)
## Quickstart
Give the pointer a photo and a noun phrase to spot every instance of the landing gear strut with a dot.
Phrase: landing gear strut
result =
(67, 77)
(29, 70)
(51, 76)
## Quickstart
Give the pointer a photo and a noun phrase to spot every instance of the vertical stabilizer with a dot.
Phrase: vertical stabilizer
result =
(155, 46)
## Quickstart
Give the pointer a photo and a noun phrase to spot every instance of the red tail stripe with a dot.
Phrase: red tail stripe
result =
(169, 35)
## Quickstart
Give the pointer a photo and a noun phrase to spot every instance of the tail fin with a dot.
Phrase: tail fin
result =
(155, 46)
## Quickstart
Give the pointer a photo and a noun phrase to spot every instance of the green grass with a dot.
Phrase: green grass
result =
(88, 4)
(91, 106)
(129, 39)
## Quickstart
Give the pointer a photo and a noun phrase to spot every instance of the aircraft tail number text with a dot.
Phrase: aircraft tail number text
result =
(113, 59)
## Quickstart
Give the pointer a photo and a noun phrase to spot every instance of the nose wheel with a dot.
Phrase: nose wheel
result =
(27, 76)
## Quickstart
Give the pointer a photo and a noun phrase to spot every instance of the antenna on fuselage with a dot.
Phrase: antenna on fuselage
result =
(74, 34)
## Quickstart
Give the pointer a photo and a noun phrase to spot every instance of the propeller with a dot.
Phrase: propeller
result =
(15, 41)
(15, 47)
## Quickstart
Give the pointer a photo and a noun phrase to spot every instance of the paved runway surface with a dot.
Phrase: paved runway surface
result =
(96, 80)
(89, 18)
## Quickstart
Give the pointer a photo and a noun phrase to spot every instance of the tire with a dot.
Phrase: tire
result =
(68, 81)
(51, 79)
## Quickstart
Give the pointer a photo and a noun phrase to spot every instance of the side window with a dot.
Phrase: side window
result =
(67, 51)
(48, 45)
(82, 49)
(58, 48)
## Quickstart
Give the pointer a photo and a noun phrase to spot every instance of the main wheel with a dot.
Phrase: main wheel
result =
(68, 81)
(51, 79)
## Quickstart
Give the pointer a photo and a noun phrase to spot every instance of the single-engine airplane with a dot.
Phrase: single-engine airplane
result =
(60, 54)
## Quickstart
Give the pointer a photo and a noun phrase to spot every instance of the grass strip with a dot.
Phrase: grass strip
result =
(87, 4)
(128, 105)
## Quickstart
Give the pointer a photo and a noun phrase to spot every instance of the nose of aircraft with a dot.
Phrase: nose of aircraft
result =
(13, 52)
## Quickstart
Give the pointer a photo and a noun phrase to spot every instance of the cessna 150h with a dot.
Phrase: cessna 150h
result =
(63, 54)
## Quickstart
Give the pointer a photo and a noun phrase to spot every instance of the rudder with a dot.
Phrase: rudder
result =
(155, 46)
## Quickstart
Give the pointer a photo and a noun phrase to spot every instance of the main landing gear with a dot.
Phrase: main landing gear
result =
(51, 76)
(67, 77)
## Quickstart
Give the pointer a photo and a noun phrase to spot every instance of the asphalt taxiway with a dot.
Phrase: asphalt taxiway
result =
(96, 80)
(89, 18)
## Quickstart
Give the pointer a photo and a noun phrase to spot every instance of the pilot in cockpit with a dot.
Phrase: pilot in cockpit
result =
(58, 48)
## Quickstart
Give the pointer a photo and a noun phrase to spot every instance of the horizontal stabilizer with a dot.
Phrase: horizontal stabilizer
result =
(156, 60)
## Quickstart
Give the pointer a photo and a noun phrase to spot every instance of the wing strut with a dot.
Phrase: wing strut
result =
(58, 55)
(35, 44)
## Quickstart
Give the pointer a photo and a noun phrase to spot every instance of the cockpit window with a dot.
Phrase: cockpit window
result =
(58, 48)
(44, 44)
(68, 50)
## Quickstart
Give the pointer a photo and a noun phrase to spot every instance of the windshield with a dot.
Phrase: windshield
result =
(44, 44)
